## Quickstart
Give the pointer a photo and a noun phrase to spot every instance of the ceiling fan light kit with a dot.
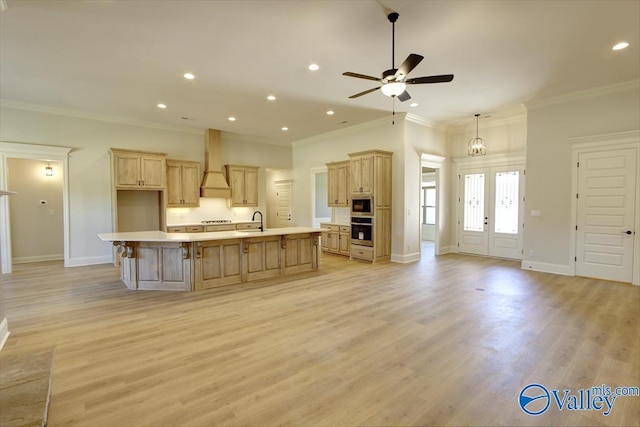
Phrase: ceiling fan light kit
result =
(394, 81)
(476, 146)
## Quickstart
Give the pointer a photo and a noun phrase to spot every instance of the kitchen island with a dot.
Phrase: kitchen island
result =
(155, 260)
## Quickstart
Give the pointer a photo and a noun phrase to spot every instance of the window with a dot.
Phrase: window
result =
(506, 213)
(428, 203)
(474, 202)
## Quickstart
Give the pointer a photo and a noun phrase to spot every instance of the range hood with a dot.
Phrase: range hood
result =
(214, 183)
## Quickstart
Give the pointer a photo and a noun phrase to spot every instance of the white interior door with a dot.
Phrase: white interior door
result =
(491, 212)
(606, 214)
(283, 203)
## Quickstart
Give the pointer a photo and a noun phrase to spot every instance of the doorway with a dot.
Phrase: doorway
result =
(43, 153)
(428, 207)
(490, 214)
(283, 203)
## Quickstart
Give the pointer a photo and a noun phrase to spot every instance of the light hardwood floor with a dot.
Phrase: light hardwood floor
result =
(451, 340)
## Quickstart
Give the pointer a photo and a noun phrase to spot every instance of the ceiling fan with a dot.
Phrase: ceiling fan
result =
(394, 81)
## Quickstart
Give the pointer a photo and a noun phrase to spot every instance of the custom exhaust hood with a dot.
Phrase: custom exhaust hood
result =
(214, 183)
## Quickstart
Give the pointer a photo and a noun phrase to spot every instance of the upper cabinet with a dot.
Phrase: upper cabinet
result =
(338, 190)
(134, 170)
(361, 168)
(183, 184)
(243, 181)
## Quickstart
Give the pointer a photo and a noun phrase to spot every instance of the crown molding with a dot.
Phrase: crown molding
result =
(3, 5)
(413, 118)
(492, 122)
(585, 94)
(17, 105)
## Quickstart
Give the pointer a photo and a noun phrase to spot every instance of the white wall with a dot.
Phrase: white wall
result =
(549, 167)
(89, 163)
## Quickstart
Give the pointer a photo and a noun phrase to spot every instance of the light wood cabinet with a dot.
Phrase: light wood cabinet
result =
(183, 184)
(158, 266)
(337, 240)
(243, 181)
(247, 226)
(338, 190)
(299, 252)
(218, 263)
(134, 170)
(361, 169)
(262, 258)
(372, 174)
(219, 227)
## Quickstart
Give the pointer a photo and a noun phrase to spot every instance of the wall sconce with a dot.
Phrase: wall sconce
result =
(48, 170)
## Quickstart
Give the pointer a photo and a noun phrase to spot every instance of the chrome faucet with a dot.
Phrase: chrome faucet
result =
(253, 218)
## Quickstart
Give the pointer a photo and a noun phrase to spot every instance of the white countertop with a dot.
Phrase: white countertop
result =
(161, 236)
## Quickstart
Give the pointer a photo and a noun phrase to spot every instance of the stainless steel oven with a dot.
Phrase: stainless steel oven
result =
(362, 230)
(362, 205)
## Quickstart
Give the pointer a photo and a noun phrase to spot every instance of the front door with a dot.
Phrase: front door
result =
(491, 211)
(606, 214)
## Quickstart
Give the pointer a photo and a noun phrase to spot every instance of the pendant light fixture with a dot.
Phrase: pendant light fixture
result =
(476, 146)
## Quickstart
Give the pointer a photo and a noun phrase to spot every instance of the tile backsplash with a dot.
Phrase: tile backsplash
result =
(209, 209)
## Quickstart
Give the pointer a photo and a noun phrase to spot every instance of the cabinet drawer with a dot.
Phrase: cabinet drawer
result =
(247, 225)
(195, 228)
(331, 227)
(220, 227)
(362, 252)
(177, 229)
(345, 229)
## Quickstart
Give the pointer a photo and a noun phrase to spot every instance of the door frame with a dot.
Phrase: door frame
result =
(604, 143)
(11, 150)
(281, 183)
(488, 161)
(434, 162)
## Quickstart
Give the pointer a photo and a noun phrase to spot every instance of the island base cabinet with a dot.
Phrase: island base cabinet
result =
(158, 266)
(262, 258)
(300, 253)
(218, 263)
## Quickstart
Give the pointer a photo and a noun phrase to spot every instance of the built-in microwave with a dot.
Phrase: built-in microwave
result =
(361, 205)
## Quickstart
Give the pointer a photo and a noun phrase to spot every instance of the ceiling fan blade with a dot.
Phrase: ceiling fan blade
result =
(361, 76)
(444, 78)
(404, 96)
(357, 95)
(409, 64)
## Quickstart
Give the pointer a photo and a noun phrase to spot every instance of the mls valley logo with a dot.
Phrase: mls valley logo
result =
(535, 399)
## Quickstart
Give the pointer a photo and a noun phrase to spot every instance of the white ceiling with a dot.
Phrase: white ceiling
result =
(120, 58)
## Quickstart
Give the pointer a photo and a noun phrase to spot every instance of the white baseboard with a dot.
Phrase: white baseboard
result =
(447, 250)
(544, 267)
(405, 259)
(4, 332)
(39, 258)
(90, 260)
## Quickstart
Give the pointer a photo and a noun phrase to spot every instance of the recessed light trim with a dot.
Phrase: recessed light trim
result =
(189, 76)
(620, 46)
(284, 128)
(162, 106)
(231, 119)
(413, 104)
(271, 97)
(314, 67)
(330, 113)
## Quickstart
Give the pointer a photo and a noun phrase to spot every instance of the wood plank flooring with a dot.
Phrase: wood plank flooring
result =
(450, 340)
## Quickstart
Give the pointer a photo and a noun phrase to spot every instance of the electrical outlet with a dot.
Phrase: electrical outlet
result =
(532, 253)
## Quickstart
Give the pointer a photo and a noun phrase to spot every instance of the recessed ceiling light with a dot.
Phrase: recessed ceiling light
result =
(413, 104)
(314, 67)
(189, 76)
(620, 46)
(330, 113)
(285, 128)
(271, 98)
(163, 106)
(232, 119)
